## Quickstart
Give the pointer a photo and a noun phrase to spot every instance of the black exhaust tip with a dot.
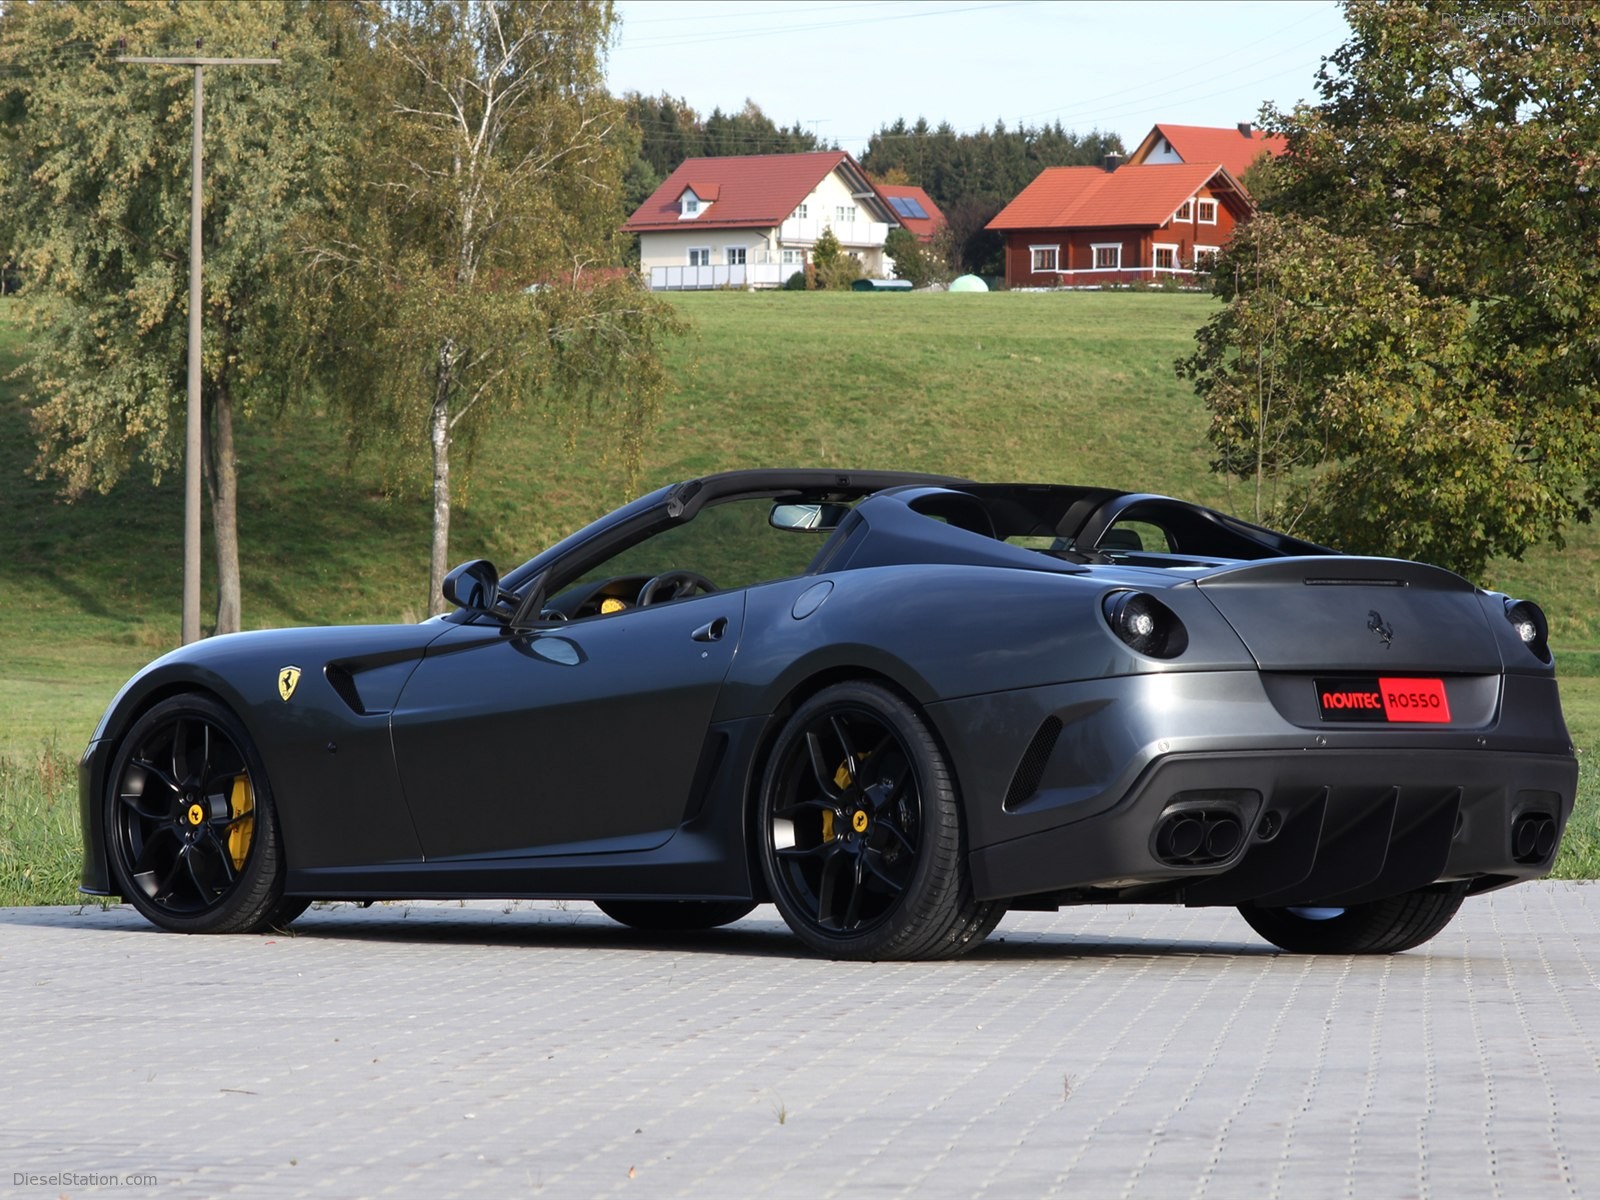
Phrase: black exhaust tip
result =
(1533, 837)
(1197, 836)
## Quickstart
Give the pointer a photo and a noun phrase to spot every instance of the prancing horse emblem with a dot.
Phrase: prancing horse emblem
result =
(1375, 623)
(288, 677)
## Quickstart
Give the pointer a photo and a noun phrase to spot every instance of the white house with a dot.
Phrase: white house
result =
(751, 220)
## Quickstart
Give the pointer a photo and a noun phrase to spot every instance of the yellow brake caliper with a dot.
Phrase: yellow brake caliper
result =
(240, 802)
(842, 781)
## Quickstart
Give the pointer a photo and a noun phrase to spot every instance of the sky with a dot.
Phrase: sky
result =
(845, 68)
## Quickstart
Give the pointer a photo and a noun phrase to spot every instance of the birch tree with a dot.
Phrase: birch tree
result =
(461, 275)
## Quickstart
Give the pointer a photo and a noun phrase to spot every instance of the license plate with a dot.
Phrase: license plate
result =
(1386, 700)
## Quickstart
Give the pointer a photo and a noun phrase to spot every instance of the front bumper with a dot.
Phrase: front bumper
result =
(96, 876)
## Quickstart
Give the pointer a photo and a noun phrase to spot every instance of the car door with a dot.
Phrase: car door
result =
(580, 737)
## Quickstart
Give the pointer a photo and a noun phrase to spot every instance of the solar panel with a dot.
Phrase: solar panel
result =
(907, 207)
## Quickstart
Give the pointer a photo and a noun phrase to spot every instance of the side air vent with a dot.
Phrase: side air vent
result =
(1031, 770)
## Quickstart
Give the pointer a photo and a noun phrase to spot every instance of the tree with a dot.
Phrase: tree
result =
(921, 264)
(831, 266)
(95, 179)
(670, 131)
(1455, 155)
(467, 268)
(1338, 391)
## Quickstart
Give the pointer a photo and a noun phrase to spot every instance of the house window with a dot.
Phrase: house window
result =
(1208, 212)
(1108, 256)
(691, 205)
(794, 258)
(1205, 258)
(1166, 258)
(802, 211)
(735, 255)
(1044, 257)
(700, 256)
(845, 212)
(1185, 211)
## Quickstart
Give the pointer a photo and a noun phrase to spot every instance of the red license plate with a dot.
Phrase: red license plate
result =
(1387, 700)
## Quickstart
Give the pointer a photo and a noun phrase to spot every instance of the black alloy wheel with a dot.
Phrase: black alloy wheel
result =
(1377, 927)
(190, 826)
(860, 836)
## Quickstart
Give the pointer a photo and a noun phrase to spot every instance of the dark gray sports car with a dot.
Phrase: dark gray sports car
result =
(893, 705)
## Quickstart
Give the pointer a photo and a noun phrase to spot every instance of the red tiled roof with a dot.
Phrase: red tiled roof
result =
(1204, 144)
(923, 229)
(1094, 198)
(749, 190)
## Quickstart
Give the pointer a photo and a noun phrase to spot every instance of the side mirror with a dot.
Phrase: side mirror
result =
(804, 517)
(473, 585)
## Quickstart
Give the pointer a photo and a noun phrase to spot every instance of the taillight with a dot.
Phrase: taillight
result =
(1145, 624)
(1527, 618)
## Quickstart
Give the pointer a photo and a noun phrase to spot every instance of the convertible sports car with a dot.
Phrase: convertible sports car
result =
(893, 705)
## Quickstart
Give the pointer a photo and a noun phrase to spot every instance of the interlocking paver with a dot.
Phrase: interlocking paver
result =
(532, 1049)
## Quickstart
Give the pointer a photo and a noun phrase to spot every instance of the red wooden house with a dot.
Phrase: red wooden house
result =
(1105, 226)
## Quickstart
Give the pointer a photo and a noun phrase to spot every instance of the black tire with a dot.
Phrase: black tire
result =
(190, 827)
(674, 916)
(1379, 927)
(859, 832)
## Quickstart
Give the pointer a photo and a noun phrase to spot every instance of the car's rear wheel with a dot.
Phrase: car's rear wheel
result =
(190, 825)
(674, 916)
(1378, 927)
(860, 834)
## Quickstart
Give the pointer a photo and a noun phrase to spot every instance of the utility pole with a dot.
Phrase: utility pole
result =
(193, 428)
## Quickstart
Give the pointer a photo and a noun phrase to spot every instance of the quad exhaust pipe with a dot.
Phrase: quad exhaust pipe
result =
(1198, 837)
(1533, 837)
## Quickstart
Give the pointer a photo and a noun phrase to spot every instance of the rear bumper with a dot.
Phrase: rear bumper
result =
(1067, 788)
(1341, 826)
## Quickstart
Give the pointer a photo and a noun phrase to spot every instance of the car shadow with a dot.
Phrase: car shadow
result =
(760, 935)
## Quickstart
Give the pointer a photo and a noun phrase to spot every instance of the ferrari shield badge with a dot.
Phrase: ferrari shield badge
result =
(288, 677)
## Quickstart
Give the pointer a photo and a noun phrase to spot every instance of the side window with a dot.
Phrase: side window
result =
(731, 544)
(1135, 537)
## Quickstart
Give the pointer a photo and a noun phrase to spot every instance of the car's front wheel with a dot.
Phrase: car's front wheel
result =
(1378, 927)
(860, 835)
(190, 825)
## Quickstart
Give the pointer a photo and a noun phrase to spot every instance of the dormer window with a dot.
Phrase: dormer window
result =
(690, 205)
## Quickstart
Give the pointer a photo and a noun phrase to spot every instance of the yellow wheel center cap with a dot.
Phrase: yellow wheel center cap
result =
(196, 814)
(859, 821)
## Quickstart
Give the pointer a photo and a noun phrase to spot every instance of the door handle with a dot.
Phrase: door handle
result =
(711, 631)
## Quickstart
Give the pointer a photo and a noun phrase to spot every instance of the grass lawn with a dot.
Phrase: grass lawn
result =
(1074, 387)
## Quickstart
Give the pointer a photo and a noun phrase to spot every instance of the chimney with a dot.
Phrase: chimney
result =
(1113, 161)
(1245, 128)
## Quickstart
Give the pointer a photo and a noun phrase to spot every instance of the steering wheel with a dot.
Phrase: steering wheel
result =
(674, 585)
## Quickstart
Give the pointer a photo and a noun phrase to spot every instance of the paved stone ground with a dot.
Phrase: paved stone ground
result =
(498, 1050)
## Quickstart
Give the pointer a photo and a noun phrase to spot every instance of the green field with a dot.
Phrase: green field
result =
(1069, 386)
